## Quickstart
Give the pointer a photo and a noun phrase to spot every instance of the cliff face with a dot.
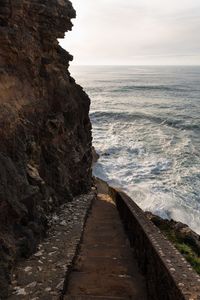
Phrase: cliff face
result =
(45, 131)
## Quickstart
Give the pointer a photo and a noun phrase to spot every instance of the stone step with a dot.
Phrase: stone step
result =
(94, 298)
(107, 250)
(83, 284)
(103, 265)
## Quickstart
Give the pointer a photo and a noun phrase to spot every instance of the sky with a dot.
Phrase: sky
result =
(135, 32)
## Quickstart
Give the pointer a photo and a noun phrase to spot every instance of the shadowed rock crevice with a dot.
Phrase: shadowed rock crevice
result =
(45, 131)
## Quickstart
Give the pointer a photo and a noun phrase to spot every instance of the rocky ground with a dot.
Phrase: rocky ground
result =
(43, 275)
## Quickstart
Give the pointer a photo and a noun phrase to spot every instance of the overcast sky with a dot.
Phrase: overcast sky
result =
(135, 32)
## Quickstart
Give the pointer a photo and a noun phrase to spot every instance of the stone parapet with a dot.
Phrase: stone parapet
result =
(168, 274)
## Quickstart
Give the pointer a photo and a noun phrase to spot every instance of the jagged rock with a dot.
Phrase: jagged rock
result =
(95, 155)
(45, 131)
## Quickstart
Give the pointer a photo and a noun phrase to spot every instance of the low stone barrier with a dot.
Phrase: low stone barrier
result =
(168, 274)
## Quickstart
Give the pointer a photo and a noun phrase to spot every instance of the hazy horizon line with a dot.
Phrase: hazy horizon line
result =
(133, 65)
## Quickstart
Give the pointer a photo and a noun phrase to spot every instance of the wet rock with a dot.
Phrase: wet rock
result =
(95, 155)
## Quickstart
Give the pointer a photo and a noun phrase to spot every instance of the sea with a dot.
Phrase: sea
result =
(146, 129)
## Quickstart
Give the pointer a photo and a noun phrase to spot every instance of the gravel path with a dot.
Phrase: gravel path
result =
(42, 276)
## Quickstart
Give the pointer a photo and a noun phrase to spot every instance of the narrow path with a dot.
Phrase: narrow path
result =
(105, 268)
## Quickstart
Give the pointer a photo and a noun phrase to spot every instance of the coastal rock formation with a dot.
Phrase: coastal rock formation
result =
(180, 231)
(184, 239)
(45, 131)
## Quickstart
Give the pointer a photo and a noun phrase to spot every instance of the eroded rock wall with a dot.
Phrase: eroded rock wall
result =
(45, 131)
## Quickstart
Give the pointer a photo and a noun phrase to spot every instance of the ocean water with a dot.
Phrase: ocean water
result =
(146, 128)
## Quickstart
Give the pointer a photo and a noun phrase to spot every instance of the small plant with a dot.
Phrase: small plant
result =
(184, 248)
(190, 255)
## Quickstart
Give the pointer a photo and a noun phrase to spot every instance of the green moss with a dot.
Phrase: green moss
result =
(185, 249)
(190, 256)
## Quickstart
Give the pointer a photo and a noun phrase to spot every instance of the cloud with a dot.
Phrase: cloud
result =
(135, 32)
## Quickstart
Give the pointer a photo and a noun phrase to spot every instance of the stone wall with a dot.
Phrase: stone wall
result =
(168, 275)
(45, 131)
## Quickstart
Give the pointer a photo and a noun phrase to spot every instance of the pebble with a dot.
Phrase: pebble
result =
(172, 269)
(32, 284)
(63, 223)
(52, 253)
(60, 285)
(20, 291)
(39, 253)
(27, 269)
(40, 262)
(181, 284)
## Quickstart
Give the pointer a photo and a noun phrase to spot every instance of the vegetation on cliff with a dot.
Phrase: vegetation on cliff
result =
(183, 238)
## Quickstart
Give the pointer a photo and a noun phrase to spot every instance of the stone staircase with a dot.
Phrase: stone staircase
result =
(105, 267)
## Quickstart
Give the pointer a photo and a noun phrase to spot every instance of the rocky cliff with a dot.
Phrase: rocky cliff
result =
(45, 131)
